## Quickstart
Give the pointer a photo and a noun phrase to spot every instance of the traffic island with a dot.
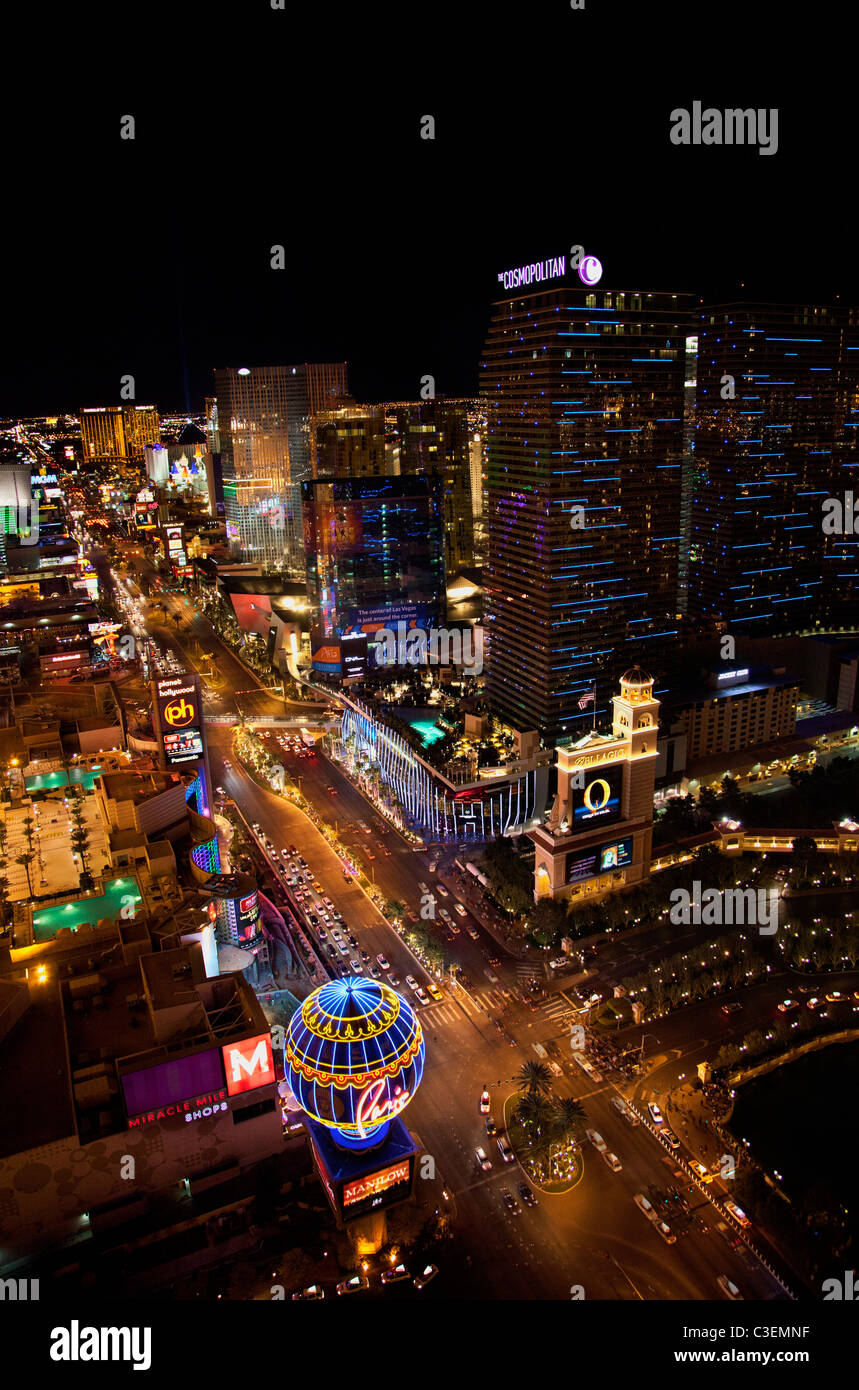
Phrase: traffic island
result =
(553, 1168)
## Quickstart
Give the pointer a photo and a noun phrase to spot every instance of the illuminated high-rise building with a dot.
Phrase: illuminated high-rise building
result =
(349, 443)
(142, 427)
(374, 553)
(436, 435)
(102, 432)
(118, 431)
(776, 421)
(584, 394)
(264, 418)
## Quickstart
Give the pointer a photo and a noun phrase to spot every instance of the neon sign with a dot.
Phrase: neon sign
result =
(375, 1183)
(369, 1112)
(539, 270)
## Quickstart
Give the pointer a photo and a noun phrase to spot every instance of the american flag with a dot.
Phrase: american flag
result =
(588, 699)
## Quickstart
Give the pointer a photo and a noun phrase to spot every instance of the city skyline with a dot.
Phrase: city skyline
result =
(429, 679)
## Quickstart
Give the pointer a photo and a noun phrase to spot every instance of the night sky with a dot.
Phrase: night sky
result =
(152, 256)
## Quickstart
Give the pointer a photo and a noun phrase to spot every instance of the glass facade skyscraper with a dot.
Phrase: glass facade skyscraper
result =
(777, 415)
(436, 434)
(584, 394)
(373, 550)
(263, 418)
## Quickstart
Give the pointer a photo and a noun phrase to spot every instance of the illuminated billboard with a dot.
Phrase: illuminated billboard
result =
(353, 651)
(170, 1083)
(617, 855)
(374, 1184)
(181, 747)
(599, 801)
(249, 1064)
(580, 866)
(179, 712)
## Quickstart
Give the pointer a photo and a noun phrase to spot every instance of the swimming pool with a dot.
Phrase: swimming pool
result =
(50, 780)
(47, 923)
(430, 733)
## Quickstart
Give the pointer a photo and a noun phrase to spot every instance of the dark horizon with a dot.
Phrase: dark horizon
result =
(151, 256)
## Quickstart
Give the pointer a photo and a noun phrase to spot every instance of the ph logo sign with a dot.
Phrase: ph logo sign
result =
(249, 1064)
(179, 713)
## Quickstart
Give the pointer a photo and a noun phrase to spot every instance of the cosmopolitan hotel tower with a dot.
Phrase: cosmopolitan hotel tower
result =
(263, 416)
(766, 458)
(584, 394)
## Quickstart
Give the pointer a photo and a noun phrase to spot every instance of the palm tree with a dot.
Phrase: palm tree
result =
(569, 1119)
(535, 1078)
(26, 860)
(536, 1115)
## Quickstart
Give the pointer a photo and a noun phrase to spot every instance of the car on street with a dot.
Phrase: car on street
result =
(353, 1285)
(482, 1159)
(433, 990)
(644, 1206)
(666, 1233)
(394, 981)
(393, 1276)
(504, 1149)
(700, 1171)
(440, 888)
(365, 957)
(655, 1113)
(356, 965)
(836, 997)
(473, 933)
(728, 1287)
(421, 1280)
(732, 1008)
(332, 791)
(787, 1005)
(527, 1195)
(612, 1161)
(490, 1126)
(597, 1140)
(484, 1098)
(422, 996)
(384, 962)
(375, 972)
(458, 907)
(312, 1291)
(814, 1003)
(510, 1202)
(671, 1138)
(738, 1214)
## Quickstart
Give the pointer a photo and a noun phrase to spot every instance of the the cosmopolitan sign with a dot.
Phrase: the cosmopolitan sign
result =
(549, 269)
(588, 267)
